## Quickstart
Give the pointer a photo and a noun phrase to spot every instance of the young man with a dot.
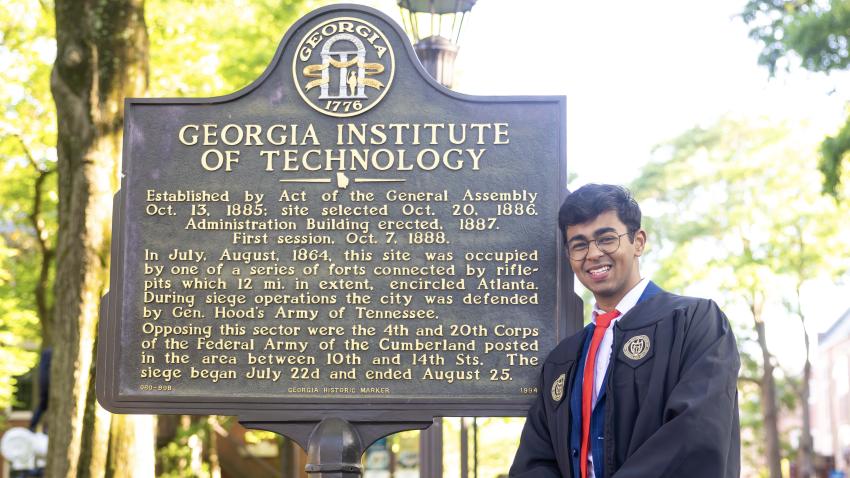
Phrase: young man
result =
(648, 388)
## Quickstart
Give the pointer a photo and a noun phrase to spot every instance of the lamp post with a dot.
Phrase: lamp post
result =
(435, 26)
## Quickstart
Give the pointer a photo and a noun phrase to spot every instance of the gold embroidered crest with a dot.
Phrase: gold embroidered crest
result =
(558, 388)
(343, 66)
(637, 347)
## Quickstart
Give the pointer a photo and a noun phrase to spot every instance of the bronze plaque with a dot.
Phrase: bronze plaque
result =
(343, 235)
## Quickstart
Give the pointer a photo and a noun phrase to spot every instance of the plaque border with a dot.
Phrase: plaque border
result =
(567, 313)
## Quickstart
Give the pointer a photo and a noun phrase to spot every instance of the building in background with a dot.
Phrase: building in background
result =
(830, 404)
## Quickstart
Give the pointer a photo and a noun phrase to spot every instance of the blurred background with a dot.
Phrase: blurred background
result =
(727, 119)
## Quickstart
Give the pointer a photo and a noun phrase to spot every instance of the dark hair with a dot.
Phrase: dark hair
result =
(591, 200)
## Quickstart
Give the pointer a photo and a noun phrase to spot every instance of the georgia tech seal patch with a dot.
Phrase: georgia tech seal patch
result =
(558, 388)
(343, 67)
(637, 347)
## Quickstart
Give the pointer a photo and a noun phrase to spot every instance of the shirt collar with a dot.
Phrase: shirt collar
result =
(626, 303)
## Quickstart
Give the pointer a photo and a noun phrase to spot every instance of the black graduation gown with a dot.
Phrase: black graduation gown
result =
(671, 413)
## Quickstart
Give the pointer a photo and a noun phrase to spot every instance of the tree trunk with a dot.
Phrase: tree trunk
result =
(101, 57)
(806, 453)
(94, 449)
(124, 460)
(212, 446)
(41, 292)
(769, 407)
(46, 252)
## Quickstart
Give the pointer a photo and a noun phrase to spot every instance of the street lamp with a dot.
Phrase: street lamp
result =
(435, 26)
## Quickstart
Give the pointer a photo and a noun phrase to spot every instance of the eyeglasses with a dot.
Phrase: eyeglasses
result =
(607, 243)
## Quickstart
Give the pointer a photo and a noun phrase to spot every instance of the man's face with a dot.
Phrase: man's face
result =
(608, 275)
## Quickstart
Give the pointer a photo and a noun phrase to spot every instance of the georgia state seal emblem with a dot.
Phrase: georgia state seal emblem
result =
(343, 66)
(558, 388)
(637, 347)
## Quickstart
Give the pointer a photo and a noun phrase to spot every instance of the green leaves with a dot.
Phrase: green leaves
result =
(209, 48)
(736, 208)
(741, 196)
(834, 151)
(817, 35)
(27, 150)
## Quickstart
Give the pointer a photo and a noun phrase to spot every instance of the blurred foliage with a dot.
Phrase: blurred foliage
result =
(817, 35)
(18, 333)
(734, 201)
(197, 48)
(182, 457)
(816, 32)
(257, 436)
(209, 48)
(27, 148)
(498, 439)
(735, 208)
(834, 151)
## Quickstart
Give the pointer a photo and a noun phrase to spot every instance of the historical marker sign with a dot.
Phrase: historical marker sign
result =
(342, 235)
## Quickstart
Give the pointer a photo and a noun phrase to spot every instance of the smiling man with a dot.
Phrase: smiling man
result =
(648, 387)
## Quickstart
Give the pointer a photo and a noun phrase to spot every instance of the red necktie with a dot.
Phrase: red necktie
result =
(602, 323)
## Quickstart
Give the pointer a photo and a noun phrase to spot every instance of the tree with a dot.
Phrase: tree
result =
(816, 34)
(27, 192)
(101, 58)
(809, 248)
(739, 212)
(194, 53)
(26, 260)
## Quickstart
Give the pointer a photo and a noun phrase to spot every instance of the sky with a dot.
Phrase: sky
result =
(637, 74)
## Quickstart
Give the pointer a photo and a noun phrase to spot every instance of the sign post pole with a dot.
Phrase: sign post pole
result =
(334, 445)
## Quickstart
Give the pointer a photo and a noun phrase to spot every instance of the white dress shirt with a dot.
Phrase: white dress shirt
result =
(603, 355)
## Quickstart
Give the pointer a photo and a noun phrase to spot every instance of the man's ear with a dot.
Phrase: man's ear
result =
(640, 242)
